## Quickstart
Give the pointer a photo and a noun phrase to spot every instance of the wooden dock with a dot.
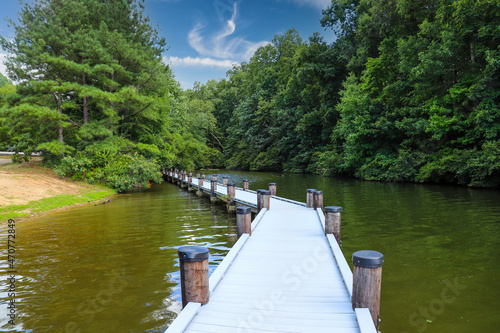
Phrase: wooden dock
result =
(287, 277)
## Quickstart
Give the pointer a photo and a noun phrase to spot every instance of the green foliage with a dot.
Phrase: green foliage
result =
(4, 80)
(277, 108)
(121, 172)
(94, 92)
(422, 105)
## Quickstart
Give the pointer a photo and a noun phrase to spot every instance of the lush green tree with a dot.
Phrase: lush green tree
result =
(424, 105)
(92, 85)
(282, 104)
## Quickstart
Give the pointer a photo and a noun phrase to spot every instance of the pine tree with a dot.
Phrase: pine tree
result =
(88, 69)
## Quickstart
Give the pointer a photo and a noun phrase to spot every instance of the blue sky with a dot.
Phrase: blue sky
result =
(206, 37)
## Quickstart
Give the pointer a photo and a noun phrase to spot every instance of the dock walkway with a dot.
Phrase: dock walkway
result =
(286, 277)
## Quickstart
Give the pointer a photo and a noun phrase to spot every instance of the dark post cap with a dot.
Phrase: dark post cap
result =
(309, 190)
(230, 184)
(214, 175)
(333, 209)
(318, 192)
(245, 180)
(202, 173)
(264, 192)
(368, 259)
(272, 184)
(243, 210)
(224, 177)
(191, 253)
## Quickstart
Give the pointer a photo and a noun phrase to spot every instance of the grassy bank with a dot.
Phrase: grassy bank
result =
(29, 190)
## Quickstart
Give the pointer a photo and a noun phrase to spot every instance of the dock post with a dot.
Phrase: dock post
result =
(332, 222)
(215, 177)
(190, 180)
(310, 197)
(263, 199)
(203, 175)
(193, 261)
(367, 280)
(245, 184)
(231, 193)
(199, 192)
(197, 175)
(272, 188)
(224, 181)
(183, 180)
(318, 199)
(244, 220)
(213, 188)
(172, 179)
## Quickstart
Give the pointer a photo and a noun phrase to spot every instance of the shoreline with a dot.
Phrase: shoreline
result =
(30, 190)
(35, 215)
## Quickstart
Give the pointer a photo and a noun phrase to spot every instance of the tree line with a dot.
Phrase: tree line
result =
(409, 91)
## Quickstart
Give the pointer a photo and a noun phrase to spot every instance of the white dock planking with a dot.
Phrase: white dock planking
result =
(286, 277)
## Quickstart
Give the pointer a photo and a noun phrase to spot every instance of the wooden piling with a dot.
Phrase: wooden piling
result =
(197, 175)
(272, 188)
(333, 222)
(231, 193)
(224, 181)
(203, 175)
(310, 197)
(190, 180)
(183, 180)
(193, 262)
(245, 184)
(213, 188)
(199, 191)
(367, 281)
(263, 199)
(318, 199)
(215, 177)
(244, 220)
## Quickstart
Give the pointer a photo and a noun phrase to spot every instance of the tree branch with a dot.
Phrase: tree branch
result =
(223, 149)
(133, 114)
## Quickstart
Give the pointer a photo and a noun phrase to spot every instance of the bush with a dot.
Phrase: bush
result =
(121, 172)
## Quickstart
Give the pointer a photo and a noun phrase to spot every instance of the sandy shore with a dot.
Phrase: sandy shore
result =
(23, 184)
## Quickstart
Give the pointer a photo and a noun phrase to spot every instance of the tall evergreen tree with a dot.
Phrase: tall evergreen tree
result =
(86, 68)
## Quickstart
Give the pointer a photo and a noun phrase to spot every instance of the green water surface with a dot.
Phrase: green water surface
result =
(114, 267)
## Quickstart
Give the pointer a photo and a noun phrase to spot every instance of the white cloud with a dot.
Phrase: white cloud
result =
(223, 44)
(3, 69)
(318, 4)
(199, 62)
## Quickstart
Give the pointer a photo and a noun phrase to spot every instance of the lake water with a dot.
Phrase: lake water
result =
(114, 267)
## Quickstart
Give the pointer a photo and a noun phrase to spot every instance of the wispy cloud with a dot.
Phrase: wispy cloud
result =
(222, 44)
(196, 62)
(318, 4)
